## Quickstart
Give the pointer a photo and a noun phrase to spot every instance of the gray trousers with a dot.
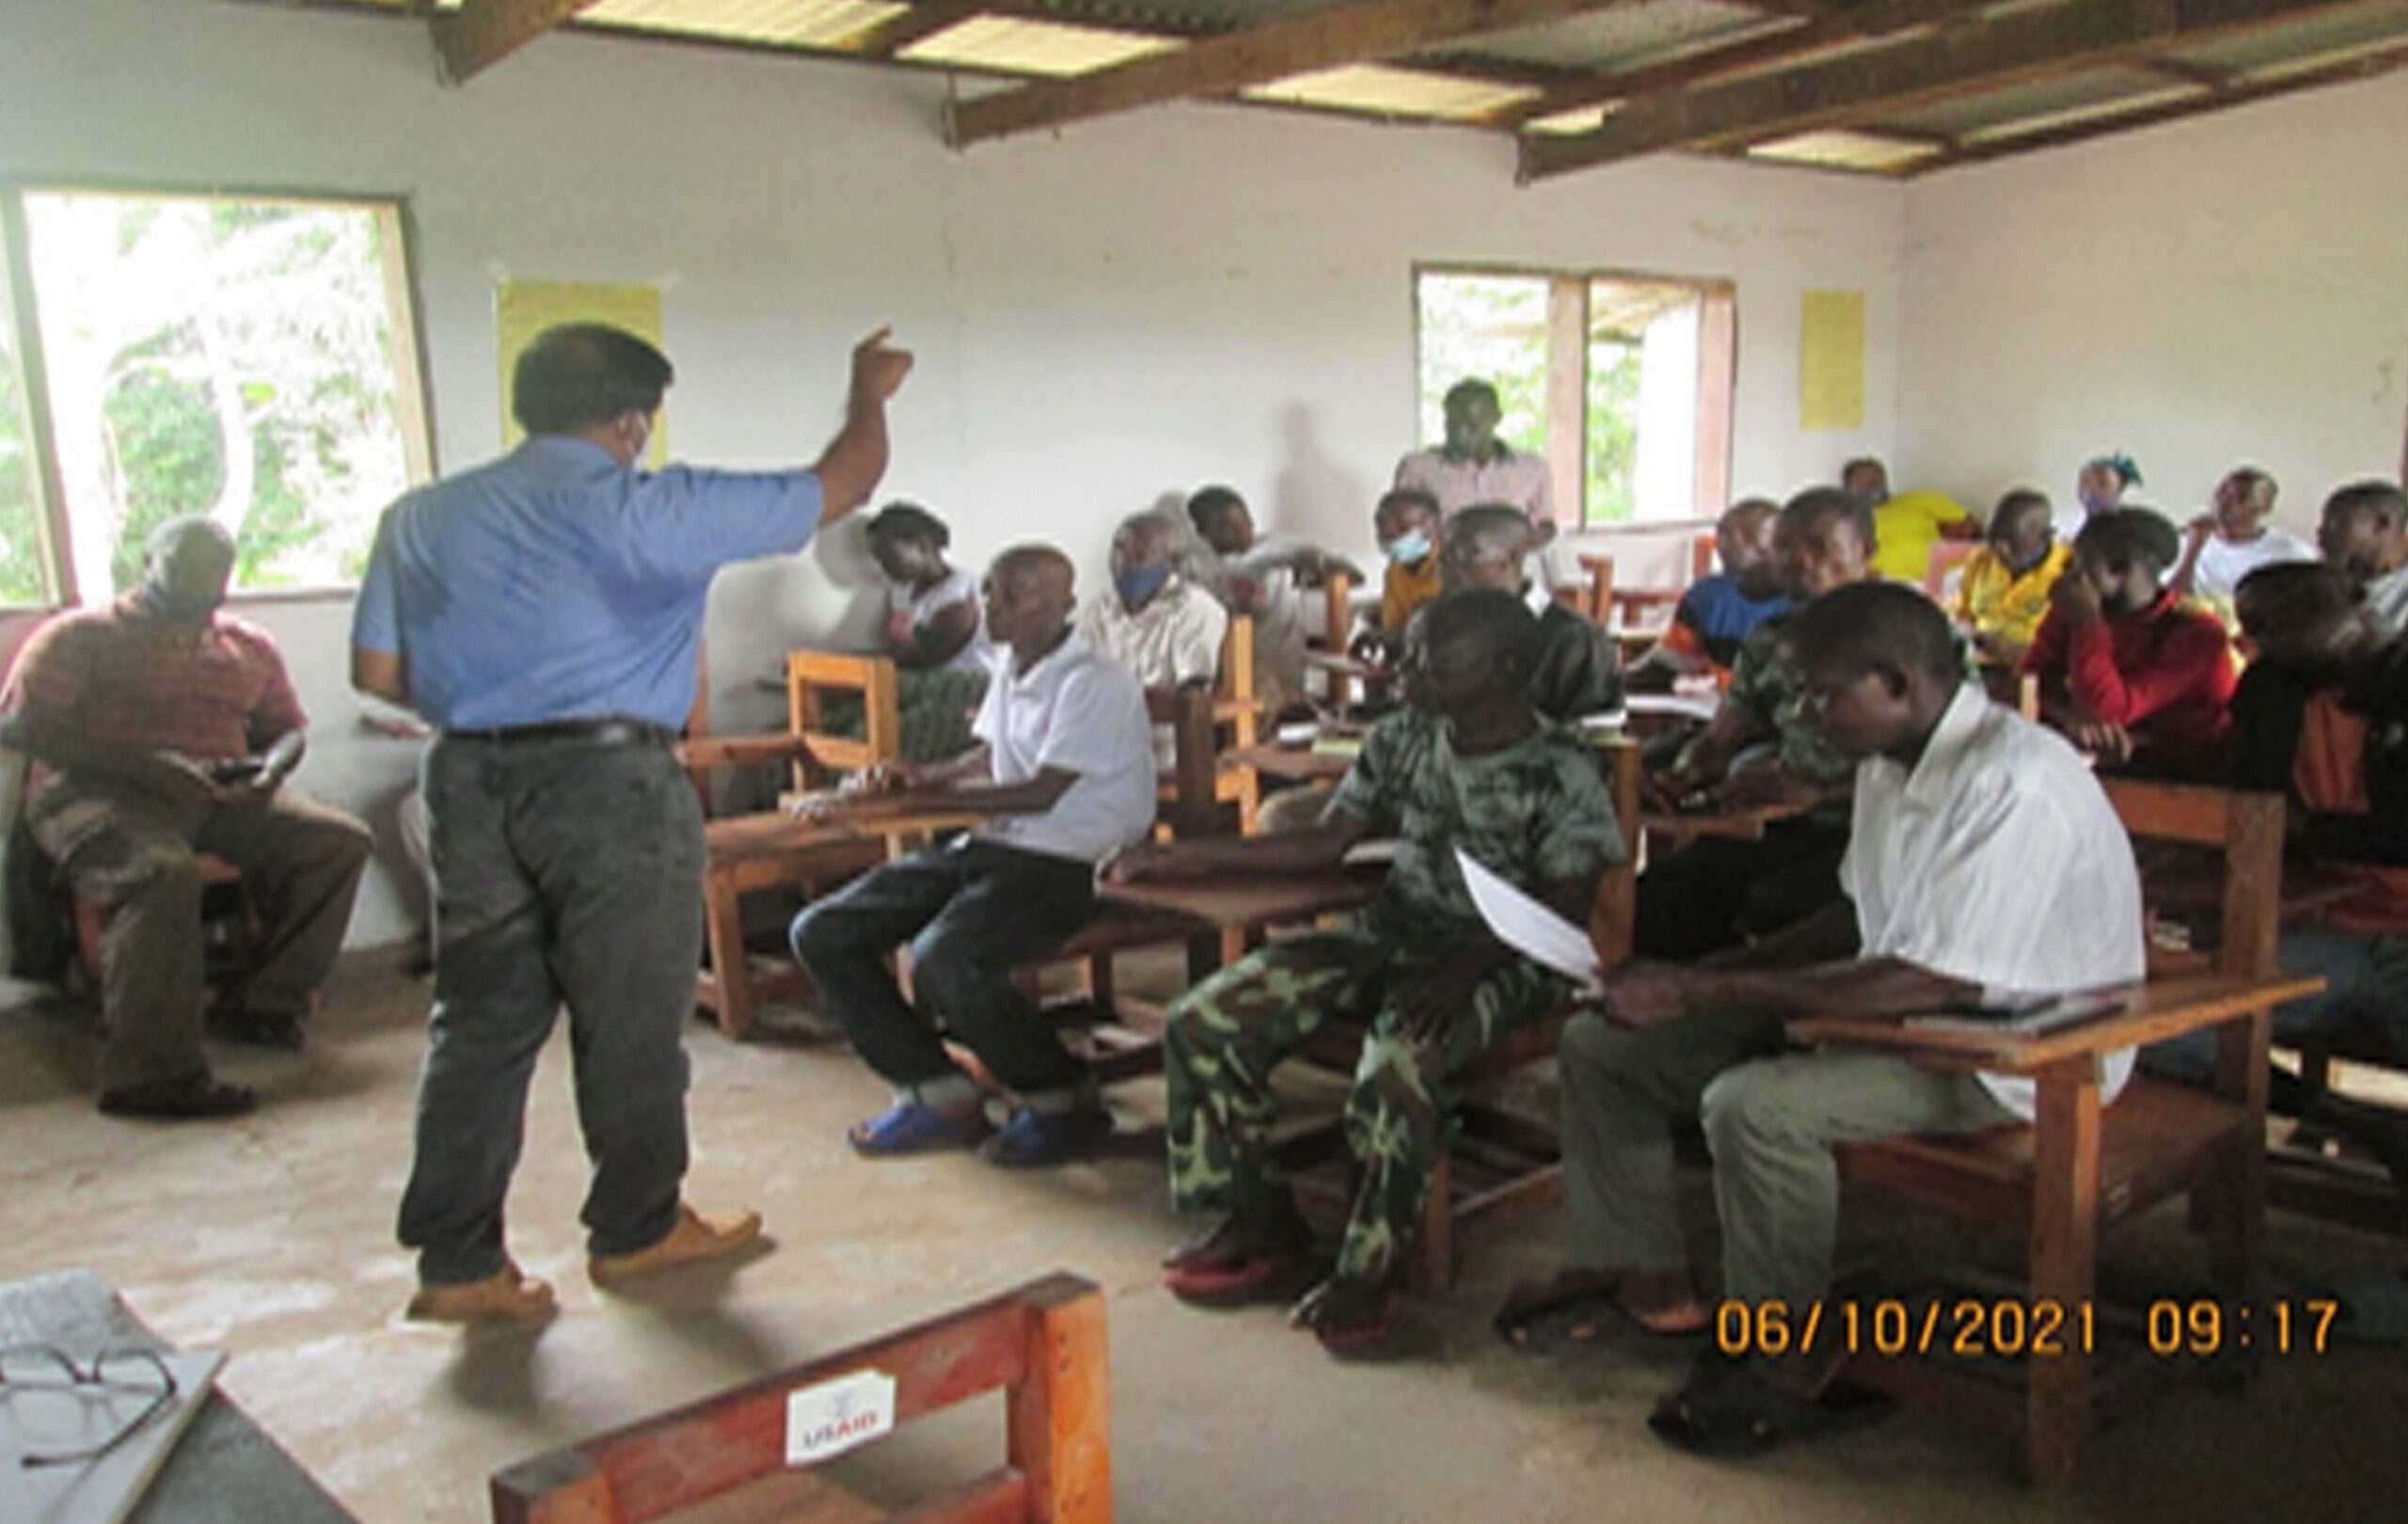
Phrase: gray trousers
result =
(566, 873)
(1771, 1119)
(134, 856)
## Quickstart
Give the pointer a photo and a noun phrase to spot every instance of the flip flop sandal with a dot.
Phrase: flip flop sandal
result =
(1740, 1414)
(909, 1127)
(1258, 1277)
(1368, 1339)
(1549, 1325)
(1544, 1320)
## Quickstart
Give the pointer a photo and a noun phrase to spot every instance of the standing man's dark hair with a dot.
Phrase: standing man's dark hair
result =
(1471, 389)
(578, 374)
(544, 612)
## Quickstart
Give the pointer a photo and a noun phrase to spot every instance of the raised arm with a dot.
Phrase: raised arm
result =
(852, 465)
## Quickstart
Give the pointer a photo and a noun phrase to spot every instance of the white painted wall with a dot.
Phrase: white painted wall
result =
(2229, 290)
(1131, 310)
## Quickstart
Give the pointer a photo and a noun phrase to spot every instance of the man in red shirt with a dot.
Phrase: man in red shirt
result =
(161, 729)
(2127, 671)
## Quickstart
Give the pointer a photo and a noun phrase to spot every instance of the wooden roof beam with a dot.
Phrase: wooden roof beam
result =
(1359, 32)
(481, 33)
(2232, 93)
(1967, 58)
(1756, 52)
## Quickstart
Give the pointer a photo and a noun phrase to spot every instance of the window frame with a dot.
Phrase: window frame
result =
(20, 307)
(1568, 447)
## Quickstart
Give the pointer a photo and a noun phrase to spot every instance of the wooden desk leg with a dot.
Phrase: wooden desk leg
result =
(2065, 1253)
(2231, 1201)
(1058, 1422)
(723, 925)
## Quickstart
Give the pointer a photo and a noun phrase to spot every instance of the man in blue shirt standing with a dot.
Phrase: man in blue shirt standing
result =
(544, 611)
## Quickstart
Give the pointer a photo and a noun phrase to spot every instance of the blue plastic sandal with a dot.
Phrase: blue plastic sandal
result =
(909, 1127)
(1033, 1139)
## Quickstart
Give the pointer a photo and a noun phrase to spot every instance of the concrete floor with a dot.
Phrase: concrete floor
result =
(272, 1237)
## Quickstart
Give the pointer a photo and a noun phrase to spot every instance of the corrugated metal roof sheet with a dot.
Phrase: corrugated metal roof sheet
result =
(1381, 90)
(1014, 45)
(820, 24)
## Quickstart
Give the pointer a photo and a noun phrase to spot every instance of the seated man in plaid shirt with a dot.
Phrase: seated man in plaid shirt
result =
(161, 729)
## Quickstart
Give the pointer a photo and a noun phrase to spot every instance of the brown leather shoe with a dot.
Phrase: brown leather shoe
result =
(186, 1098)
(695, 1237)
(508, 1293)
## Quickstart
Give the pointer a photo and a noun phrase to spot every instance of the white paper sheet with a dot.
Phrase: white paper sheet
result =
(1529, 928)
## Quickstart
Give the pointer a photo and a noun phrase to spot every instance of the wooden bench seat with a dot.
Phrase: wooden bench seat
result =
(723, 1460)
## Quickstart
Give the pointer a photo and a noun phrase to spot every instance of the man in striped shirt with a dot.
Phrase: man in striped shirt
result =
(162, 728)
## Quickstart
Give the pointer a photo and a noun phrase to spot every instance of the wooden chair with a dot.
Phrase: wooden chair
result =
(723, 1459)
(748, 853)
(1634, 614)
(1124, 1033)
(2082, 1165)
(230, 929)
(1501, 1159)
(1236, 718)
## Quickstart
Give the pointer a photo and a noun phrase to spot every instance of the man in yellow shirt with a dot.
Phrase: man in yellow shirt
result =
(1908, 524)
(2004, 594)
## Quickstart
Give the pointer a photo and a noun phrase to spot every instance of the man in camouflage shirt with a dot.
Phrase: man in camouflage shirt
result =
(1467, 765)
(1718, 892)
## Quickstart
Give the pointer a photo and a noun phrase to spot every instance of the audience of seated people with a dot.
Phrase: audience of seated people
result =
(2099, 487)
(2233, 539)
(1762, 747)
(942, 657)
(1985, 857)
(162, 728)
(1465, 767)
(1259, 576)
(2002, 592)
(2322, 718)
(1575, 668)
(2364, 531)
(1720, 610)
(1906, 527)
(1063, 773)
(2137, 676)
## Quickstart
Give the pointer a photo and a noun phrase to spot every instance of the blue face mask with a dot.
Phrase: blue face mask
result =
(1409, 550)
(1139, 583)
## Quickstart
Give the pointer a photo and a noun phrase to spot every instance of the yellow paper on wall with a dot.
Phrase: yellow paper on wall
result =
(523, 309)
(1830, 360)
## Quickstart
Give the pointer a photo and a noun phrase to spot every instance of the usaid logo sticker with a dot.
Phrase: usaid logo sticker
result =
(835, 1416)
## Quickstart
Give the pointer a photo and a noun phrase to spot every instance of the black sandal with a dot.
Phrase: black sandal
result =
(1735, 1413)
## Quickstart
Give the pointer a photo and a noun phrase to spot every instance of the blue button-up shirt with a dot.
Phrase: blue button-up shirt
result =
(555, 584)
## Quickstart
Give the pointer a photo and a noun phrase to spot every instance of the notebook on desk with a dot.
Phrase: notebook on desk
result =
(2026, 1015)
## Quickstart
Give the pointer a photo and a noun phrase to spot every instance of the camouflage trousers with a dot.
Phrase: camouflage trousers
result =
(1224, 1036)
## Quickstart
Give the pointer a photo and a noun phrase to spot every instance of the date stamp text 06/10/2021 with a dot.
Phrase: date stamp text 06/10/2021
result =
(2007, 1327)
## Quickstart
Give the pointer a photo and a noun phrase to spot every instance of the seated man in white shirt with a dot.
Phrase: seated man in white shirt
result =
(1162, 629)
(1983, 857)
(2233, 539)
(1260, 576)
(1063, 774)
(2364, 531)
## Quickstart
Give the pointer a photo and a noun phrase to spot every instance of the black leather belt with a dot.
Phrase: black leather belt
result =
(611, 730)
